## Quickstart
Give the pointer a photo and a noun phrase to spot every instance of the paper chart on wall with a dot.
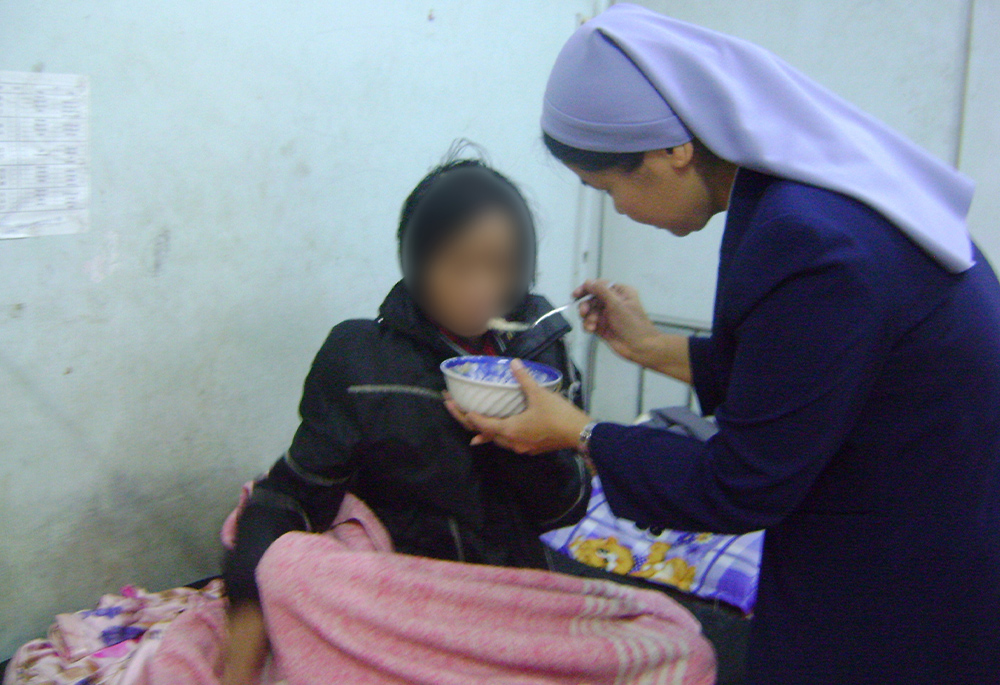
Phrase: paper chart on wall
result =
(44, 154)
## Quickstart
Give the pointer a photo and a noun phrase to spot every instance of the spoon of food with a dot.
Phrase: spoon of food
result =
(504, 326)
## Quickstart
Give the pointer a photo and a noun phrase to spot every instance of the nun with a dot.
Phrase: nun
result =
(853, 367)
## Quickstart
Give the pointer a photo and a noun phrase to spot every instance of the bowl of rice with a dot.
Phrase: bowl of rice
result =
(486, 385)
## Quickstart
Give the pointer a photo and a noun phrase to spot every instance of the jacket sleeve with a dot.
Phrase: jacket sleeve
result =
(807, 352)
(304, 489)
(553, 489)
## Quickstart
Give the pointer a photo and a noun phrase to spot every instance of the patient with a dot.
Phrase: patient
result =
(373, 422)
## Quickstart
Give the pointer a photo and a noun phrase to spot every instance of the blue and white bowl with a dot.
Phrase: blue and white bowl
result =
(487, 386)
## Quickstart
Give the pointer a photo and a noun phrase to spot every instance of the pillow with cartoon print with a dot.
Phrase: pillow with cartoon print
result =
(716, 567)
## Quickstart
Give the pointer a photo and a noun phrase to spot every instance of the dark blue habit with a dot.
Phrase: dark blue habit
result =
(856, 384)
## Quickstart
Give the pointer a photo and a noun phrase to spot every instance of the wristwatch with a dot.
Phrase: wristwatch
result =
(583, 442)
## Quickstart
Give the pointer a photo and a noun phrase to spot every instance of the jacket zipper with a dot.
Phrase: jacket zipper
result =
(453, 527)
(544, 344)
(529, 353)
(453, 345)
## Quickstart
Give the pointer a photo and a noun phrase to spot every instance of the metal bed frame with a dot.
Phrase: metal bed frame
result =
(667, 324)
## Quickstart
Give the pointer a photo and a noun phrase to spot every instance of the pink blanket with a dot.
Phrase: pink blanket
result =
(342, 608)
(380, 619)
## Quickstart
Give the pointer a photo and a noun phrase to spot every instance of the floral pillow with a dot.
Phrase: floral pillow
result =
(716, 567)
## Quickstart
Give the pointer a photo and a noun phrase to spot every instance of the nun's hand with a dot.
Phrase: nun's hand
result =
(551, 422)
(616, 315)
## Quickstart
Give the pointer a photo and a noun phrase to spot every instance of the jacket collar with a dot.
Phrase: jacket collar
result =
(400, 312)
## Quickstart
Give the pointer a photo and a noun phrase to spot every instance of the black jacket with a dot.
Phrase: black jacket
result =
(373, 423)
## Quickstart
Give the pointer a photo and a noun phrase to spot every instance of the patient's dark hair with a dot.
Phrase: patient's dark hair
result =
(593, 161)
(446, 200)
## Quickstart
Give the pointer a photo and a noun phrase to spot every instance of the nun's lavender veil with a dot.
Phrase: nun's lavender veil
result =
(633, 80)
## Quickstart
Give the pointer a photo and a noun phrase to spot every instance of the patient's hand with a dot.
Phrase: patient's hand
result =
(246, 645)
(551, 422)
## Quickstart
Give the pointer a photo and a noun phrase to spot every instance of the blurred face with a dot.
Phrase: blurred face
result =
(470, 278)
(667, 191)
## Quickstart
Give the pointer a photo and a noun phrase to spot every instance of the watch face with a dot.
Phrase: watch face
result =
(584, 443)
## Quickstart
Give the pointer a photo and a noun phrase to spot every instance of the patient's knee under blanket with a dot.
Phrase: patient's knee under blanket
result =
(372, 617)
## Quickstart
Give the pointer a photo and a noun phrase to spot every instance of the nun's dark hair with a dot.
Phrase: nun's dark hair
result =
(447, 199)
(588, 160)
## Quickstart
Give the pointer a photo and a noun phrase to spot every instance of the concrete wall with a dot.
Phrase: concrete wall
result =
(249, 160)
(979, 151)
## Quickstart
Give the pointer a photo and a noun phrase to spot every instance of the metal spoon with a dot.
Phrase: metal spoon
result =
(505, 326)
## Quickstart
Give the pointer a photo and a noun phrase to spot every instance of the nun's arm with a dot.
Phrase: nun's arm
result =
(705, 377)
(805, 361)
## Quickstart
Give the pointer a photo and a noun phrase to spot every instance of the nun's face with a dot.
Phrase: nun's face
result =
(469, 279)
(667, 191)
